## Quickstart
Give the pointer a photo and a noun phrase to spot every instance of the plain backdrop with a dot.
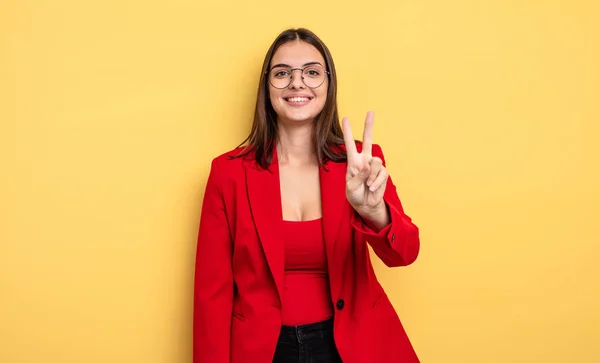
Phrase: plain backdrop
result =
(111, 111)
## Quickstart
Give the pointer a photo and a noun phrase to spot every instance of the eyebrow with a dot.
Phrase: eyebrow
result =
(288, 66)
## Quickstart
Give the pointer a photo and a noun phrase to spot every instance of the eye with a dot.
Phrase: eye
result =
(312, 72)
(280, 73)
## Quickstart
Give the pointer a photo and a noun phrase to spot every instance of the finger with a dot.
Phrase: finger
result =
(356, 181)
(368, 133)
(378, 185)
(376, 165)
(348, 138)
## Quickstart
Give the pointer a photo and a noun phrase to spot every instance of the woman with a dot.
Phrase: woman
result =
(282, 268)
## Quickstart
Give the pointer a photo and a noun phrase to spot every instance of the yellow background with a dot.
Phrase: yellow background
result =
(111, 111)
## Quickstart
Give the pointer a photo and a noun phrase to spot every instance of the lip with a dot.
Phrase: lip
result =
(296, 103)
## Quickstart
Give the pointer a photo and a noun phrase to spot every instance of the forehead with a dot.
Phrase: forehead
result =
(296, 54)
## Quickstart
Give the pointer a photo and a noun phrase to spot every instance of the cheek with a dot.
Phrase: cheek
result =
(272, 95)
(322, 97)
(322, 91)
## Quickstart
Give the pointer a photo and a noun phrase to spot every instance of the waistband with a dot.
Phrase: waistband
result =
(325, 325)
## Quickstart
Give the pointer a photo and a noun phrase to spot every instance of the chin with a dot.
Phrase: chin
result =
(295, 119)
(300, 115)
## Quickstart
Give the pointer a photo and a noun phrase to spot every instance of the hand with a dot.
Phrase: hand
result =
(366, 177)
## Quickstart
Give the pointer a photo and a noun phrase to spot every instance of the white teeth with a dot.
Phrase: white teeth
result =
(298, 99)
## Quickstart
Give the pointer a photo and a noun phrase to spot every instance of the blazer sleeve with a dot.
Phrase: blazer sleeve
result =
(213, 279)
(398, 243)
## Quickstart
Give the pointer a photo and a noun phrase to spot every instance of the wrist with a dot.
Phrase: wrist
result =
(377, 218)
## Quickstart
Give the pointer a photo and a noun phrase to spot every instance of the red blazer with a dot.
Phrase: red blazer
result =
(240, 268)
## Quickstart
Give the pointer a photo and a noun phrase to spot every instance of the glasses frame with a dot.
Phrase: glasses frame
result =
(268, 74)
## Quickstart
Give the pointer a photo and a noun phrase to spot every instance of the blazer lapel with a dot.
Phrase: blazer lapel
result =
(334, 205)
(265, 203)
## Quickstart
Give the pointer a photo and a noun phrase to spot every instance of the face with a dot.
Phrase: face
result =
(297, 102)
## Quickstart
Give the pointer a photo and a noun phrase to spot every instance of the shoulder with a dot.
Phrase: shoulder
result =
(228, 162)
(229, 155)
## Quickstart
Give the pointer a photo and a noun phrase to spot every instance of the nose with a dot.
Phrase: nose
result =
(296, 79)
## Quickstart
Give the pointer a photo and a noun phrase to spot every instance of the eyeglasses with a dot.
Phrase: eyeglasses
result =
(313, 76)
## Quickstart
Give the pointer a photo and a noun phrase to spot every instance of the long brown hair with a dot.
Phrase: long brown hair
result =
(327, 133)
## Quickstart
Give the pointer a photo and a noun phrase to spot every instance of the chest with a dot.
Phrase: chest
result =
(300, 193)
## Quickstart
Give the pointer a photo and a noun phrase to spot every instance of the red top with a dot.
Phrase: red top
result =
(306, 296)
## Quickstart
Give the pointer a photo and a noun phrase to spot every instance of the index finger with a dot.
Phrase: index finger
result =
(368, 133)
(348, 139)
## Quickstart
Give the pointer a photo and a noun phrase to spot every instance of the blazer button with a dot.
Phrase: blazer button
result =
(393, 237)
(340, 304)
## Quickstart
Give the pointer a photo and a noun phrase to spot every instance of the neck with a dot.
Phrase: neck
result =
(294, 146)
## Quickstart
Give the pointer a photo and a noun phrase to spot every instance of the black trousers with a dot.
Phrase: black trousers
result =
(311, 343)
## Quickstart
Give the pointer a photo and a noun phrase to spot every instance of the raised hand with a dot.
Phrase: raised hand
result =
(366, 176)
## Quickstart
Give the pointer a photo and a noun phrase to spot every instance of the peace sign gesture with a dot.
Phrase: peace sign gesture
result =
(366, 176)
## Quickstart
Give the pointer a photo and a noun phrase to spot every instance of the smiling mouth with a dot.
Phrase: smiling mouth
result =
(297, 100)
